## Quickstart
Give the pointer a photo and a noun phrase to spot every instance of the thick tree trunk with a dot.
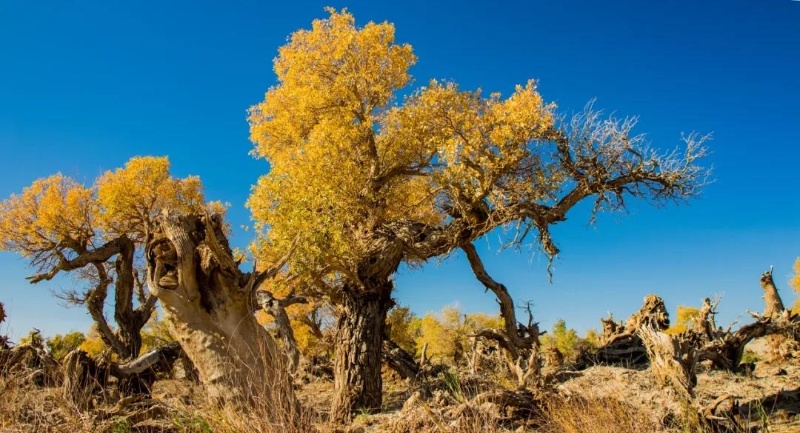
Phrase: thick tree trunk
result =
(209, 304)
(357, 362)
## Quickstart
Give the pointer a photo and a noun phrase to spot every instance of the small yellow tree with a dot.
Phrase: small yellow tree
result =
(683, 319)
(60, 225)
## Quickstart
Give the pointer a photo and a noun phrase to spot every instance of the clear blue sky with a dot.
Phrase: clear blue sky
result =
(85, 85)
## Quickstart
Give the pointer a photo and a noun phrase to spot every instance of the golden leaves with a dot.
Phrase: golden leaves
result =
(56, 214)
(133, 196)
(345, 162)
(50, 213)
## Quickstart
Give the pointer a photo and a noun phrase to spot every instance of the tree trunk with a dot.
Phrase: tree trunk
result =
(209, 304)
(773, 305)
(277, 309)
(357, 362)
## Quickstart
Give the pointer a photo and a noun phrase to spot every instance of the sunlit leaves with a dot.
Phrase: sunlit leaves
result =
(346, 161)
(56, 218)
(49, 216)
(132, 197)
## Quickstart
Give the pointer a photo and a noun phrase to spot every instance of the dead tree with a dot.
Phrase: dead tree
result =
(672, 360)
(85, 378)
(724, 348)
(622, 344)
(277, 309)
(30, 361)
(519, 342)
(399, 360)
(208, 303)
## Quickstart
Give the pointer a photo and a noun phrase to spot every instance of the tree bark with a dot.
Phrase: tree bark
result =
(357, 361)
(209, 304)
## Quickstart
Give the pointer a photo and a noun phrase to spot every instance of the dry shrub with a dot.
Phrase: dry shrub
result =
(596, 415)
(269, 408)
(466, 418)
(28, 408)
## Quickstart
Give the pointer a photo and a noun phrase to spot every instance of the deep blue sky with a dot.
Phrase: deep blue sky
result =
(85, 85)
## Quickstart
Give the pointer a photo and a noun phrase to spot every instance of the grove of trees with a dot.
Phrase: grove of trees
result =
(364, 175)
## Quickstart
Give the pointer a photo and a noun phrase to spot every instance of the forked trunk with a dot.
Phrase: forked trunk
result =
(208, 302)
(357, 363)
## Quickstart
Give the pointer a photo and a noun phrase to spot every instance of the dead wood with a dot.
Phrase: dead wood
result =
(86, 378)
(724, 348)
(277, 309)
(31, 360)
(399, 360)
(621, 344)
(672, 360)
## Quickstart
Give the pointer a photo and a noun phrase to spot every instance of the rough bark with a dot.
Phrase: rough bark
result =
(357, 361)
(209, 304)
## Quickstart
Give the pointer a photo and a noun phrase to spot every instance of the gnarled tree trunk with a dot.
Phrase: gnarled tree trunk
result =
(209, 303)
(357, 361)
(622, 344)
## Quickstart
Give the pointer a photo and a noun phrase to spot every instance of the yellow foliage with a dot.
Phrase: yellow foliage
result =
(403, 328)
(683, 319)
(93, 344)
(57, 214)
(447, 334)
(49, 213)
(794, 283)
(132, 197)
(345, 161)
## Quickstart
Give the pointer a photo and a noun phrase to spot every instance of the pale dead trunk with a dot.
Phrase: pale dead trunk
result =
(208, 302)
(277, 309)
(357, 362)
(773, 305)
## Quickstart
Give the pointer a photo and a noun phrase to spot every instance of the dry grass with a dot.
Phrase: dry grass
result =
(596, 415)
(598, 400)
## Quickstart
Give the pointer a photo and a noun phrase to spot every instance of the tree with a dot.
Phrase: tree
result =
(364, 184)
(403, 327)
(60, 345)
(98, 233)
(210, 304)
(564, 339)
(794, 283)
(684, 316)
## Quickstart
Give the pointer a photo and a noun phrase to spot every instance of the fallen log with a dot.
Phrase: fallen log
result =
(85, 378)
(399, 360)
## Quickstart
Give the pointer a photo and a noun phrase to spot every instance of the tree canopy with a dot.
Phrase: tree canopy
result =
(58, 224)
